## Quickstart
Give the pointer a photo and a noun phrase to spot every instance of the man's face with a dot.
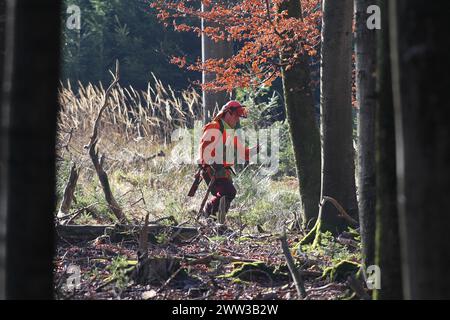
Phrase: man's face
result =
(232, 118)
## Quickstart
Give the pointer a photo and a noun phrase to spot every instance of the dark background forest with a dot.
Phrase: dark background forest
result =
(130, 32)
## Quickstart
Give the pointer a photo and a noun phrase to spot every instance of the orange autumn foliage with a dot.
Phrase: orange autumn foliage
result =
(260, 29)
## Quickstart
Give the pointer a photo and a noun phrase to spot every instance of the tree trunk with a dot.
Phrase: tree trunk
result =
(213, 50)
(420, 58)
(338, 167)
(387, 231)
(2, 217)
(366, 97)
(303, 126)
(28, 147)
(2, 43)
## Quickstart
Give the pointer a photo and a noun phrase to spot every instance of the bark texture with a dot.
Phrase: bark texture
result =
(303, 127)
(2, 213)
(28, 146)
(366, 97)
(421, 64)
(388, 256)
(338, 167)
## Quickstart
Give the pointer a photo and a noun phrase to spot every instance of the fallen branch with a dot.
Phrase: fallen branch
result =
(325, 287)
(343, 214)
(77, 213)
(348, 242)
(206, 260)
(296, 276)
(310, 274)
(120, 232)
(173, 276)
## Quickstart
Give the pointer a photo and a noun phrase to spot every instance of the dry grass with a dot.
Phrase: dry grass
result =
(133, 114)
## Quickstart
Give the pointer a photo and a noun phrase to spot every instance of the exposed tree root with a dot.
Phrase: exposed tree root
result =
(313, 236)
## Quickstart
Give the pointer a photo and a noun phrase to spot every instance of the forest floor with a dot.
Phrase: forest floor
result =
(211, 266)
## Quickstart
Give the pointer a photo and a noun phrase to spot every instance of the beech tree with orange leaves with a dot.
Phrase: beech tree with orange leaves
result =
(263, 29)
(276, 38)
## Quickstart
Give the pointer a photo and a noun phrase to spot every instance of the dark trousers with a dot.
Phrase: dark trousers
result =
(222, 187)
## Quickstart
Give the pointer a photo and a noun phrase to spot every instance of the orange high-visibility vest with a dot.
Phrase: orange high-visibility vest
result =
(208, 140)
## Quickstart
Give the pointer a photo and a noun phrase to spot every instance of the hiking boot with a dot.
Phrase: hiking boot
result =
(209, 211)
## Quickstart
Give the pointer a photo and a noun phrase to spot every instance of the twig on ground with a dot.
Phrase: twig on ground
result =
(296, 276)
(215, 257)
(173, 276)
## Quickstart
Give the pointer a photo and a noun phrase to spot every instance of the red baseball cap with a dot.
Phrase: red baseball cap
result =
(234, 106)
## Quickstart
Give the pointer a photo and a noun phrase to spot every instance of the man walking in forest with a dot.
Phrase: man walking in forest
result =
(217, 156)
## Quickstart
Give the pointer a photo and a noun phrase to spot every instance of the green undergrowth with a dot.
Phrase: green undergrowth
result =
(336, 260)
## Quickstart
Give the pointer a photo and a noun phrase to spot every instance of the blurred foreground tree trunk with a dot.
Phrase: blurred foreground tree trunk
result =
(338, 165)
(2, 41)
(28, 146)
(421, 85)
(388, 256)
(2, 216)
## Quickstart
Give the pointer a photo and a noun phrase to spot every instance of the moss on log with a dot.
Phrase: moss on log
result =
(341, 270)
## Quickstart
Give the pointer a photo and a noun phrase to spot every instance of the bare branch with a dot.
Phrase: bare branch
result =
(296, 275)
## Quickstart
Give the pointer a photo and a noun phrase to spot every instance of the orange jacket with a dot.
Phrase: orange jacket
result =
(209, 141)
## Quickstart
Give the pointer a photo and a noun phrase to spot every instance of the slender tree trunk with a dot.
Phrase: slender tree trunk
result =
(388, 256)
(303, 126)
(213, 50)
(2, 215)
(2, 41)
(420, 59)
(366, 96)
(28, 148)
(338, 166)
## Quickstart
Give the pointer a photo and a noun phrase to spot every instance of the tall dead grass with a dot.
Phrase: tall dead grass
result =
(132, 114)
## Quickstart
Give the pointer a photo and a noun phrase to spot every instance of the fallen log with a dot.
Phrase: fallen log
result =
(119, 233)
